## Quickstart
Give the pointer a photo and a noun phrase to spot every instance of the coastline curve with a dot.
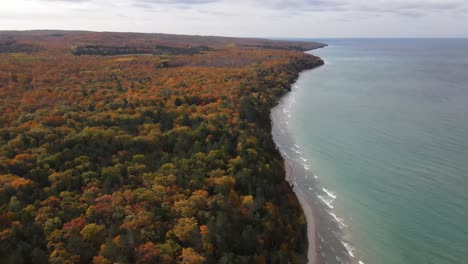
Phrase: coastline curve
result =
(324, 232)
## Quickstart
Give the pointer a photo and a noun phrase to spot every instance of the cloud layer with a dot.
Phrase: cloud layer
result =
(275, 18)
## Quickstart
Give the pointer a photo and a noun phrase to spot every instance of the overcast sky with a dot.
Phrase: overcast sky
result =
(250, 18)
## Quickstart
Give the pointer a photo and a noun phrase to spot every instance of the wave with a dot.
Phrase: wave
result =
(295, 154)
(327, 202)
(321, 252)
(339, 259)
(349, 248)
(329, 193)
(320, 237)
(285, 155)
(361, 262)
(340, 221)
(296, 151)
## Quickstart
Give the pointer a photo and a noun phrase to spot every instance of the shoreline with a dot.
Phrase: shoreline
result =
(326, 243)
(313, 246)
(312, 252)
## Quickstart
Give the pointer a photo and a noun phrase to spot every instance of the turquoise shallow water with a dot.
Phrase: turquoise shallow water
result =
(384, 126)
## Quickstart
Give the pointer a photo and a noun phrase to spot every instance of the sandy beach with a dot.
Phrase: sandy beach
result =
(312, 254)
(294, 170)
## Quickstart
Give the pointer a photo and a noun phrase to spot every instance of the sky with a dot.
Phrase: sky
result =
(245, 18)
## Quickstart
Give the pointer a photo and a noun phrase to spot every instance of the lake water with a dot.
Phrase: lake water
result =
(381, 131)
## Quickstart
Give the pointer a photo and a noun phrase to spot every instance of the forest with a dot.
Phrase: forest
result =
(145, 148)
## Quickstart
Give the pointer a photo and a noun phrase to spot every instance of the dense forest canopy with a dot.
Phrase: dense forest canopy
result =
(145, 148)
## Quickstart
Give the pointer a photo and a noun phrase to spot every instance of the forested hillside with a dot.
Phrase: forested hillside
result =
(145, 148)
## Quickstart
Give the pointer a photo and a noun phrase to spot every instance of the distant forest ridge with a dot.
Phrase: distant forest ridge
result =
(110, 43)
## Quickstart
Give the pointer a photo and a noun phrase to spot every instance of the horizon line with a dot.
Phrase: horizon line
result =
(258, 37)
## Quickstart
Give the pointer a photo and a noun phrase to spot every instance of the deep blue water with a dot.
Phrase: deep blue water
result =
(384, 127)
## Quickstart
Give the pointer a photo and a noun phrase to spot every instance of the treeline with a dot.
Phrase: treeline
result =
(122, 50)
(11, 46)
(117, 160)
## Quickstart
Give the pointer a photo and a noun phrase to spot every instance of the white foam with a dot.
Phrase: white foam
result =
(339, 260)
(320, 237)
(304, 159)
(361, 262)
(307, 167)
(327, 202)
(316, 176)
(297, 151)
(349, 248)
(339, 220)
(297, 146)
(310, 188)
(329, 193)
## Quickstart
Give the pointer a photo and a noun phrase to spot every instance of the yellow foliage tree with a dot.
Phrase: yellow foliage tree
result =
(190, 256)
(186, 229)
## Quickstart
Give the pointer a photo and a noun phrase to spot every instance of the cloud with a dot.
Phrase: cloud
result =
(306, 4)
(298, 18)
(68, 1)
(403, 7)
(176, 2)
(416, 8)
